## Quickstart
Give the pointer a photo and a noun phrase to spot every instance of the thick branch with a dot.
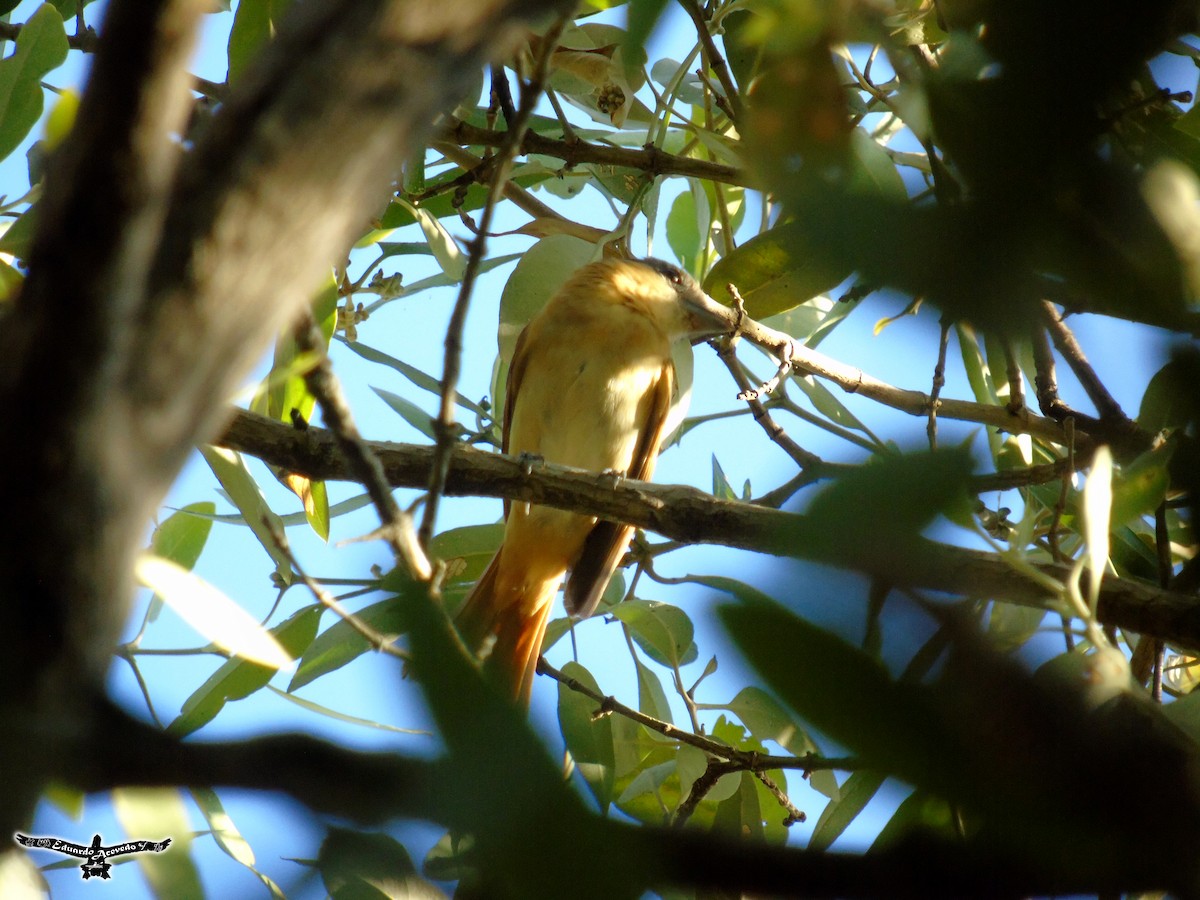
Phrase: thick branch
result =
(688, 514)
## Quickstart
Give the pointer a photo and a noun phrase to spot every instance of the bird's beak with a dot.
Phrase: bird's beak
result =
(706, 317)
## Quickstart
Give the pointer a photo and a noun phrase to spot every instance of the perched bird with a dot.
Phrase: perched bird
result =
(590, 386)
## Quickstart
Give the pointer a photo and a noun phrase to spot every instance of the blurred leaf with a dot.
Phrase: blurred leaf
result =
(891, 499)
(775, 271)
(358, 865)
(41, 48)
(340, 642)
(1142, 485)
(228, 838)
(154, 814)
(664, 632)
(450, 859)
(642, 17)
(210, 612)
(236, 679)
(840, 689)
(18, 237)
(920, 815)
(1097, 509)
(537, 277)
(20, 878)
(856, 793)
(181, 538)
(1165, 403)
(589, 738)
(873, 172)
(60, 120)
(769, 721)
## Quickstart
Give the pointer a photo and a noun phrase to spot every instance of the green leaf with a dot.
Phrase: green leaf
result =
(237, 679)
(721, 488)
(253, 26)
(340, 643)
(182, 537)
(241, 488)
(769, 721)
(873, 171)
(855, 794)
(652, 699)
(643, 16)
(408, 411)
(154, 814)
(684, 234)
(467, 550)
(357, 865)
(41, 48)
(18, 237)
(589, 738)
(775, 271)
(663, 631)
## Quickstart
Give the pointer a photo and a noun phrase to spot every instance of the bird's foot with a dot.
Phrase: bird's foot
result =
(612, 477)
(530, 461)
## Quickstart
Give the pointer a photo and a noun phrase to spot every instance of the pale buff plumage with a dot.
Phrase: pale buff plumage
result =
(590, 386)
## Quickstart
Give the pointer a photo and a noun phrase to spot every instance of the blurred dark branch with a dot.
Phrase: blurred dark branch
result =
(650, 160)
(693, 516)
(1064, 340)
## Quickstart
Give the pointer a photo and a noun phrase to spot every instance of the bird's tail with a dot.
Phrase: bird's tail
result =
(518, 623)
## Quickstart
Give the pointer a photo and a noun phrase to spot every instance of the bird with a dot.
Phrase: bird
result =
(590, 385)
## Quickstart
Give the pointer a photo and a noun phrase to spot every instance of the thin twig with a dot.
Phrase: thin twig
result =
(939, 382)
(713, 57)
(378, 641)
(1064, 341)
(396, 525)
(1016, 379)
(746, 759)
(445, 426)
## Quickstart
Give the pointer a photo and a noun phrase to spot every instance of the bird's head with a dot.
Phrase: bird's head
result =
(669, 295)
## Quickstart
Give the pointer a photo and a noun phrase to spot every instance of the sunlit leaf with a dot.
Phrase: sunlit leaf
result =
(210, 612)
(775, 271)
(155, 814)
(663, 631)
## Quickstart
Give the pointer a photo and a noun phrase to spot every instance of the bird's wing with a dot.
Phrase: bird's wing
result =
(607, 541)
(516, 373)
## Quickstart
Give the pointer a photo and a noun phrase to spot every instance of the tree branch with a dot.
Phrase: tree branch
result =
(690, 515)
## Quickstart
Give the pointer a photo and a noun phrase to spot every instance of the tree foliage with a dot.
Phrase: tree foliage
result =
(1006, 168)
